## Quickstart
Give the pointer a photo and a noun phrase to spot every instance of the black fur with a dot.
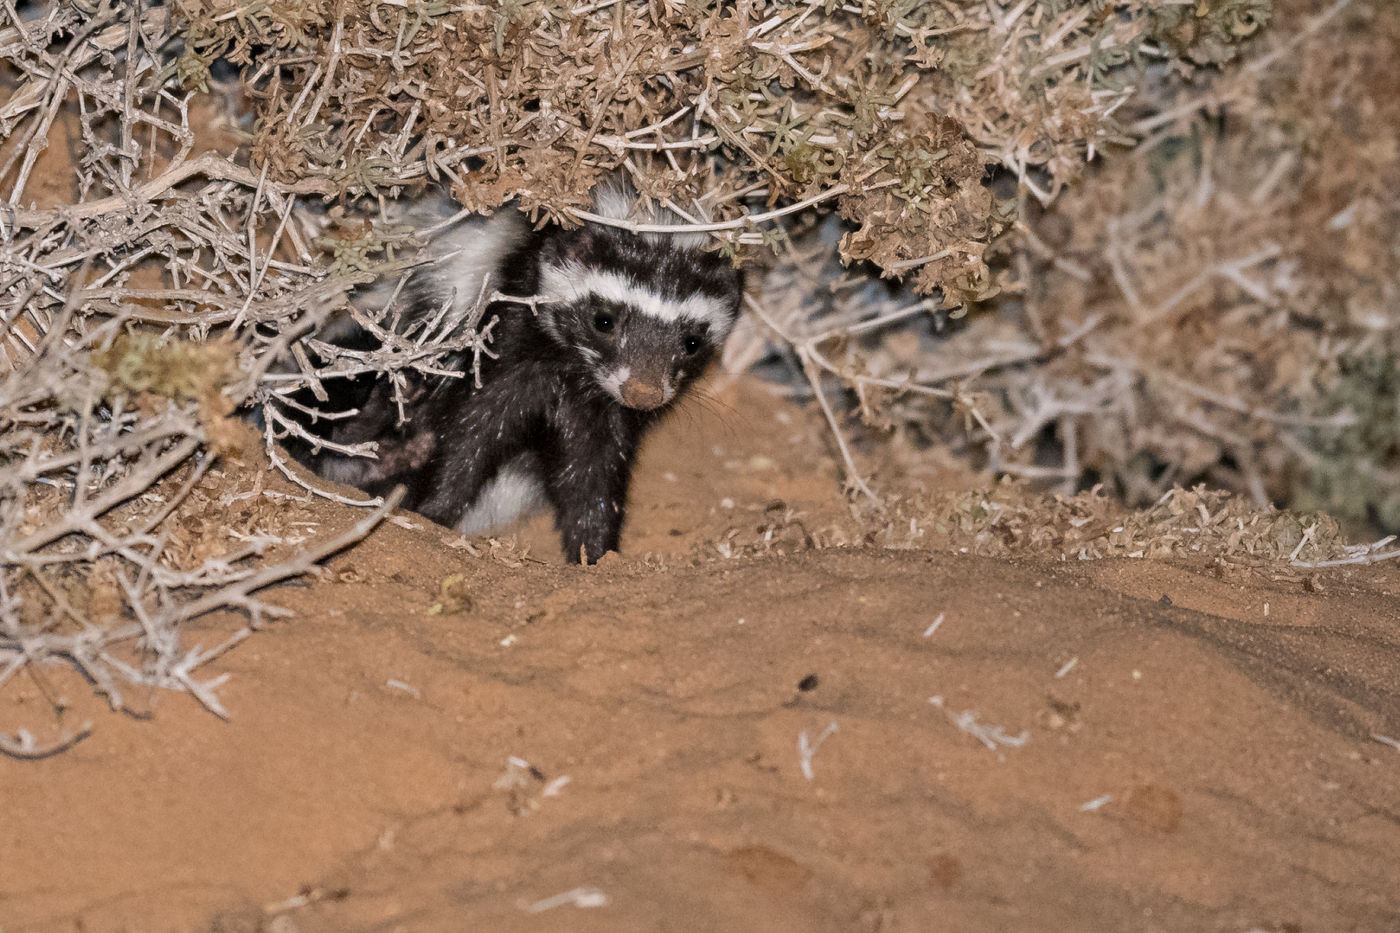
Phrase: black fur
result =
(542, 405)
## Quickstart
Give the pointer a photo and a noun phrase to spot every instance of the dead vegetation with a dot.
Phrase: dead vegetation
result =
(1009, 519)
(1218, 301)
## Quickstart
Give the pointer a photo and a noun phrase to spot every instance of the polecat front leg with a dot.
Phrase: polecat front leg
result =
(586, 474)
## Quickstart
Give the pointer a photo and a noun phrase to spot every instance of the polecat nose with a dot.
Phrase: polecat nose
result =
(643, 395)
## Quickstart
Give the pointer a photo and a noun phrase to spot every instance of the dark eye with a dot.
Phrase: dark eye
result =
(692, 344)
(603, 322)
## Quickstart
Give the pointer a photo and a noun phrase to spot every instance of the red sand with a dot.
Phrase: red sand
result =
(363, 781)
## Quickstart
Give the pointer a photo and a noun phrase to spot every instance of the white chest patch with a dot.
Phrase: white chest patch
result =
(512, 493)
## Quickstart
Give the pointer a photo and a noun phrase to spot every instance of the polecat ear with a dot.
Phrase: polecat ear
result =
(565, 246)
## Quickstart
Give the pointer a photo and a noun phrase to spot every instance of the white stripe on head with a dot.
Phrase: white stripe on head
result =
(617, 200)
(466, 254)
(614, 200)
(678, 240)
(573, 282)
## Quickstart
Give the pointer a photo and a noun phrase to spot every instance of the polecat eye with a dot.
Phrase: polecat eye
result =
(603, 322)
(692, 344)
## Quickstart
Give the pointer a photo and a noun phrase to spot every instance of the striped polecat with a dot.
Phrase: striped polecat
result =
(621, 326)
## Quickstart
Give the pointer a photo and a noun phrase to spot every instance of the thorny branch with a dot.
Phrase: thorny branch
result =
(146, 292)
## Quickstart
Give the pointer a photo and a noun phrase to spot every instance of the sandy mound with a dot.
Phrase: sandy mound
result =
(453, 736)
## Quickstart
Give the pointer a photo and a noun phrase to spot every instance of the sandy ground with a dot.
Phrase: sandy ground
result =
(674, 740)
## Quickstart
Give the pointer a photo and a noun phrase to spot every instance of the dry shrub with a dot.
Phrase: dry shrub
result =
(1219, 302)
(1227, 296)
(776, 103)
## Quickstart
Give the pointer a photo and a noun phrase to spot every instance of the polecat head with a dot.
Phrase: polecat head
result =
(646, 312)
